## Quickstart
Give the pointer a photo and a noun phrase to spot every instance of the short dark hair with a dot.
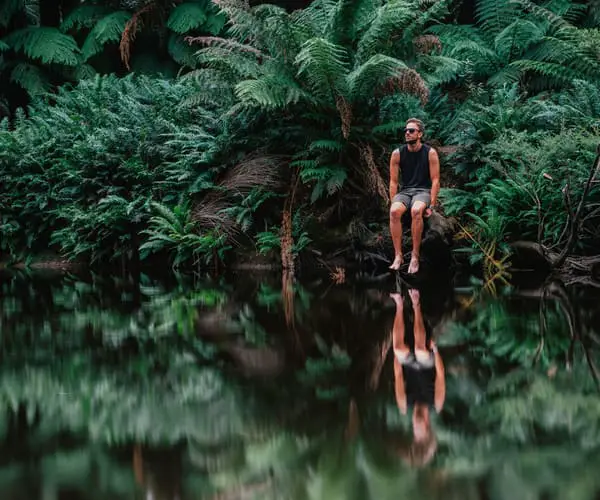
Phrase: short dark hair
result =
(418, 122)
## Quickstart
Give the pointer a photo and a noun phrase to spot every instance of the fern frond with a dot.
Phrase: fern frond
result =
(108, 29)
(371, 74)
(390, 20)
(186, 17)
(3, 46)
(516, 38)
(325, 145)
(180, 51)
(272, 90)
(237, 64)
(31, 78)
(83, 16)
(495, 15)
(348, 18)
(48, 45)
(324, 65)
(554, 71)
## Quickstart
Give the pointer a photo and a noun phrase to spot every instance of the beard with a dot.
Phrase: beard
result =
(412, 141)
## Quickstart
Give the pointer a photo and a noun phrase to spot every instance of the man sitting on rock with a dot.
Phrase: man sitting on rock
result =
(418, 167)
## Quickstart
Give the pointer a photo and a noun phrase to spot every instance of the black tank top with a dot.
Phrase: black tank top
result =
(414, 168)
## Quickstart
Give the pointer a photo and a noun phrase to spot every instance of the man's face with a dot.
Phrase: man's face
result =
(412, 133)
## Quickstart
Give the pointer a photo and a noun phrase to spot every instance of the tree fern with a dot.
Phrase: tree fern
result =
(494, 15)
(323, 64)
(514, 40)
(389, 21)
(270, 91)
(180, 51)
(46, 44)
(371, 74)
(83, 16)
(187, 17)
(108, 29)
(31, 78)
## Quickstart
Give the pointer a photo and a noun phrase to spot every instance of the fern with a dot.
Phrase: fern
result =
(46, 44)
(180, 51)
(495, 15)
(83, 16)
(390, 19)
(187, 17)
(31, 78)
(371, 74)
(323, 64)
(108, 29)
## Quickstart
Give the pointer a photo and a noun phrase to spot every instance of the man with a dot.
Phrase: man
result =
(418, 167)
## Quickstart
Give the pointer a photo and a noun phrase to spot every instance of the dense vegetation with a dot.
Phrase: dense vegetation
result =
(276, 136)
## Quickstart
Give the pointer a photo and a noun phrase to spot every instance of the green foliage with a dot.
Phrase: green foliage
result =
(80, 175)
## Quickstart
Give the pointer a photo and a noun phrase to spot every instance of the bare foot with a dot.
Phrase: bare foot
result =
(415, 295)
(397, 262)
(413, 266)
(397, 298)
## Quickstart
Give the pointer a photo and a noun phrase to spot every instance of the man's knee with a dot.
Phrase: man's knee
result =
(418, 210)
(397, 210)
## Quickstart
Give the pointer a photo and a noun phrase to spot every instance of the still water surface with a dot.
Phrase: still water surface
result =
(247, 387)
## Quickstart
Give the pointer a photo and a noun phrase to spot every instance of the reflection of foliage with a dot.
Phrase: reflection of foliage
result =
(328, 372)
(95, 363)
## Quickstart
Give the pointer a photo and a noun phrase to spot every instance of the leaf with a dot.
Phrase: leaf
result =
(83, 16)
(180, 51)
(186, 17)
(46, 44)
(31, 78)
(108, 29)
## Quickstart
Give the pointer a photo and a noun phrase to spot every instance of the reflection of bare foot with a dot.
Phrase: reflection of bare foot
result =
(397, 298)
(413, 266)
(415, 296)
(397, 262)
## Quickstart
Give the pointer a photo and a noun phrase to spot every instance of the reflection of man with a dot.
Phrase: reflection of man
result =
(419, 379)
(416, 167)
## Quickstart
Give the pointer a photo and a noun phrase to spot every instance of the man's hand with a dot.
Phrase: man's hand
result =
(429, 211)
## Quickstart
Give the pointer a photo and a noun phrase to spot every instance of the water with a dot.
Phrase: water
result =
(228, 389)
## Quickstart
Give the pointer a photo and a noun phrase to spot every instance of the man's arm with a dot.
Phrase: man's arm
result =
(399, 387)
(440, 380)
(434, 173)
(394, 172)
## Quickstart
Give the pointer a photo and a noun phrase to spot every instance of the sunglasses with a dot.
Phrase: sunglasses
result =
(410, 130)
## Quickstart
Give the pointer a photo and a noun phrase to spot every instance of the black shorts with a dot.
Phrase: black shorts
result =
(408, 196)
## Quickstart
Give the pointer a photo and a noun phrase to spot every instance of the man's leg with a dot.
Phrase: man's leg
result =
(416, 212)
(397, 210)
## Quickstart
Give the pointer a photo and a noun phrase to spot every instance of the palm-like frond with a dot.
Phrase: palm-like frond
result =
(372, 74)
(31, 78)
(272, 90)
(180, 51)
(494, 15)
(108, 29)
(187, 17)
(514, 40)
(46, 44)
(323, 64)
(387, 25)
(84, 16)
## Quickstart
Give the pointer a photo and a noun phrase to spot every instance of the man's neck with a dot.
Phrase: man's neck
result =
(413, 148)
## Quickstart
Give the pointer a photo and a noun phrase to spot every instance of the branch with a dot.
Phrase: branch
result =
(575, 218)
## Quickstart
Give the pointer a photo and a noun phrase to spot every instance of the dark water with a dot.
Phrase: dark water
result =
(255, 387)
